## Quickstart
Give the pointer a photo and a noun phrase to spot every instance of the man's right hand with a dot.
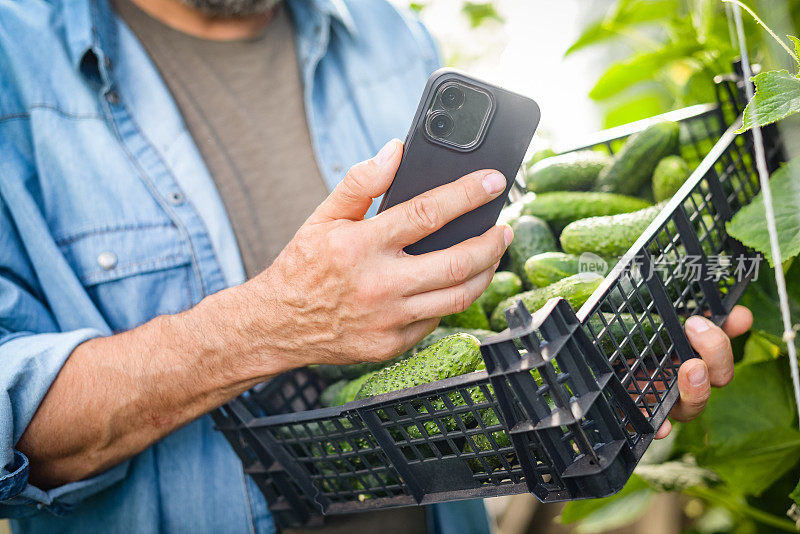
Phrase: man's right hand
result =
(343, 290)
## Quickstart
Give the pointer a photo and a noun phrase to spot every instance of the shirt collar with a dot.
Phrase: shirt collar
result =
(338, 11)
(91, 35)
(90, 28)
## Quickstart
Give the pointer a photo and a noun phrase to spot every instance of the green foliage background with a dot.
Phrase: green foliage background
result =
(737, 464)
(675, 49)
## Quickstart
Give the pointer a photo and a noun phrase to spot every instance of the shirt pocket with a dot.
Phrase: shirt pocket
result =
(132, 272)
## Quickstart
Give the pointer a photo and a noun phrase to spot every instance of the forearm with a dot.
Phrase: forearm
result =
(116, 396)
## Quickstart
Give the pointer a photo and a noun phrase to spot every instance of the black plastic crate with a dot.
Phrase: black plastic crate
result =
(567, 418)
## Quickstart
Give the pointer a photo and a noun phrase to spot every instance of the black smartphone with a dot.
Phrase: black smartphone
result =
(462, 125)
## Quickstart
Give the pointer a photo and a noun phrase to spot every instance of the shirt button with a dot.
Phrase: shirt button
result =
(176, 198)
(107, 260)
(337, 167)
(107, 61)
(112, 97)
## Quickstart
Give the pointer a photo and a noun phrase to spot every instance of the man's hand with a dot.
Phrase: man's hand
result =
(344, 291)
(713, 368)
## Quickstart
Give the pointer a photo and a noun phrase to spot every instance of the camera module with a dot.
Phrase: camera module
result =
(440, 124)
(452, 97)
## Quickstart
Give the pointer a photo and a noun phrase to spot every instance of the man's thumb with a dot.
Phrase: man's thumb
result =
(364, 182)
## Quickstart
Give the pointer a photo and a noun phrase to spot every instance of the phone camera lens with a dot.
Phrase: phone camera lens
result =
(440, 124)
(452, 97)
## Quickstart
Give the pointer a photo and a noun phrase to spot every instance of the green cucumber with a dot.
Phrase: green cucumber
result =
(669, 176)
(573, 171)
(452, 356)
(576, 289)
(509, 214)
(540, 155)
(330, 394)
(349, 392)
(549, 267)
(472, 317)
(531, 236)
(442, 332)
(608, 236)
(503, 285)
(634, 164)
(620, 327)
(563, 207)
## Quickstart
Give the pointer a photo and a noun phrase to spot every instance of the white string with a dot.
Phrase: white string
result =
(763, 176)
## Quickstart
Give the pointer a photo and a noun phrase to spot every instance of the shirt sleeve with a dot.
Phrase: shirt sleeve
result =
(32, 351)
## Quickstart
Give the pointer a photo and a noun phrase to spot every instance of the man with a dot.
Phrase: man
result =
(156, 164)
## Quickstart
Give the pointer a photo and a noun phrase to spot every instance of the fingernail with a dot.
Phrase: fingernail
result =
(697, 324)
(386, 152)
(508, 235)
(698, 375)
(494, 183)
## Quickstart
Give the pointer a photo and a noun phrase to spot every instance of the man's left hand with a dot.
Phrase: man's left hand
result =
(713, 368)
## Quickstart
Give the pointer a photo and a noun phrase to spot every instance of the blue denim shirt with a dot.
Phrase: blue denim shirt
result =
(108, 218)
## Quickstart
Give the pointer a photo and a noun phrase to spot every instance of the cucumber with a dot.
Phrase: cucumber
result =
(503, 285)
(509, 214)
(609, 236)
(449, 422)
(349, 392)
(442, 332)
(472, 317)
(634, 164)
(573, 171)
(576, 289)
(452, 356)
(618, 329)
(549, 267)
(563, 207)
(482, 443)
(356, 370)
(669, 176)
(539, 155)
(531, 236)
(330, 394)
(329, 373)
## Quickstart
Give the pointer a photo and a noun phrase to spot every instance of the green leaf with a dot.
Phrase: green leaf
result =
(698, 89)
(675, 475)
(796, 42)
(641, 67)
(750, 440)
(416, 7)
(795, 494)
(600, 515)
(754, 463)
(632, 109)
(758, 348)
(480, 12)
(622, 19)
(761, 298)
(777, 96)
(596, 33)
(749, 225)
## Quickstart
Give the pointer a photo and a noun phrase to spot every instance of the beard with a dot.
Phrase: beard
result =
(232, 8)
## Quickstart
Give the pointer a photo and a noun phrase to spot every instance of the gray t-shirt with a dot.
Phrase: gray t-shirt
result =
(242, 101)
